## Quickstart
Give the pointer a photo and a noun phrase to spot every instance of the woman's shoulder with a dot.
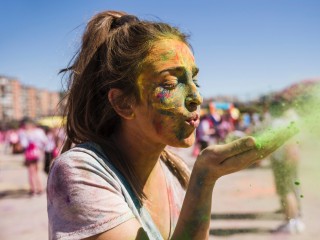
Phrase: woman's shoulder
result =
(86, 157)
(77, 189)
(84, 161)
(83, 152)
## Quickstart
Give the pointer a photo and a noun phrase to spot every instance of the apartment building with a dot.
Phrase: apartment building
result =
(18, 100)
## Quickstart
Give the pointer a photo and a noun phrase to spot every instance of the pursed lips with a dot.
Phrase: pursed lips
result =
(193, 120)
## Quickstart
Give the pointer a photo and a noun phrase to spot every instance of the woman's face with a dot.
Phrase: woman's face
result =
(169, 109)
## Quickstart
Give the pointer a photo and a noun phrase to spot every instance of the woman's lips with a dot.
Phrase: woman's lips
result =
(194, 121)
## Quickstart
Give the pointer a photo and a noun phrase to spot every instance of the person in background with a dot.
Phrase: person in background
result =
(13, 140)
(50, 148)
(133, 90)
(205, 131)
(284, 163)
(225, 127)
(32, 140)
(60, 135)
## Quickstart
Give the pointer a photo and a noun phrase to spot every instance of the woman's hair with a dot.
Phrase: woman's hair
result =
(112, 55)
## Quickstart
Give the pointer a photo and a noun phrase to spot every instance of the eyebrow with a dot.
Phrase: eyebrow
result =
(195, 70)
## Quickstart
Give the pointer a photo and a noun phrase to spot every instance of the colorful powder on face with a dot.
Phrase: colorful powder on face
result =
(163, 95)
(166, 112)
(180, 133)
(165, 83)
(297, 183)
(168, 55)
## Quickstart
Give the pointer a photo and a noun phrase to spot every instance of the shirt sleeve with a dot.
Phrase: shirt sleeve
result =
(83, 198)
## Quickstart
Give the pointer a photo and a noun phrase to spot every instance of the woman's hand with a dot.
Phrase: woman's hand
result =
(218, 160)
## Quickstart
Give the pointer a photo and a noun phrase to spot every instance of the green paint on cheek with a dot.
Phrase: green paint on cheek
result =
(297, 183)
(180, 134)
(166, 112)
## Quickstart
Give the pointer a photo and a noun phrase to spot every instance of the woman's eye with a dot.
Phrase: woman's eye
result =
(196, 83)
(170, 84)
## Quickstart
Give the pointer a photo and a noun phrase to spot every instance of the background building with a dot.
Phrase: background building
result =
(18, 101)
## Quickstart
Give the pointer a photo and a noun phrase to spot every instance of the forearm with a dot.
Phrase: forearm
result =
(194, 220)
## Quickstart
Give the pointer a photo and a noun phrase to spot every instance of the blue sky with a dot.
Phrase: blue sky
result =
(242, 47)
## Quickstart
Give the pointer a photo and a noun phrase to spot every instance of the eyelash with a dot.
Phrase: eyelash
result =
(171, 86)
(196, 83)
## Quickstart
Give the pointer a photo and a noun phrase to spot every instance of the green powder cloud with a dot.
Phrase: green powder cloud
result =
(306, 103)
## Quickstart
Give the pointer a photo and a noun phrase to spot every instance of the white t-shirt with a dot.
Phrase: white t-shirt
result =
(34, 135)
(86, 196)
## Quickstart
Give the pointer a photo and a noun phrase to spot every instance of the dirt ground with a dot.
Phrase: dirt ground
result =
(244, 204)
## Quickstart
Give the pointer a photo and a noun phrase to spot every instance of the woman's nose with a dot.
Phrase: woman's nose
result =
(193, 100)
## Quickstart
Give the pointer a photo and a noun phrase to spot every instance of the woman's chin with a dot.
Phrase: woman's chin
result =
(184, 143)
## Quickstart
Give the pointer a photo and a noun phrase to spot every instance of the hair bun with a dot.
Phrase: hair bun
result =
(123, 20)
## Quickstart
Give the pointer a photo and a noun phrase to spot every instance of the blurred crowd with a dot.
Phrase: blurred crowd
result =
(35, 142)
(222, 122)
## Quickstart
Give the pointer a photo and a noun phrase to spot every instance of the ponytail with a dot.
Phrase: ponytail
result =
(177, 166)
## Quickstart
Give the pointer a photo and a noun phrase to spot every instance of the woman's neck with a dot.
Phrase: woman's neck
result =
(141, 153)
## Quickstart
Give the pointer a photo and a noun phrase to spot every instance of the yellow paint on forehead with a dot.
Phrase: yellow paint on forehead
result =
(170, 52)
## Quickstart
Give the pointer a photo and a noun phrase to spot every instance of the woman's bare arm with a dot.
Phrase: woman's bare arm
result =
(129, 230)
(213, 162)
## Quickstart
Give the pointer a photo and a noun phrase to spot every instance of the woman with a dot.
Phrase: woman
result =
(133, 91)
(49, 148)
(32, 140)
(284, 165)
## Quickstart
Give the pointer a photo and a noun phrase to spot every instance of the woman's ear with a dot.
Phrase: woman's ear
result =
(120, 104)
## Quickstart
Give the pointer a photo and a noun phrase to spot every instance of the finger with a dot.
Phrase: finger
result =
(241, 161)
(236, 147)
